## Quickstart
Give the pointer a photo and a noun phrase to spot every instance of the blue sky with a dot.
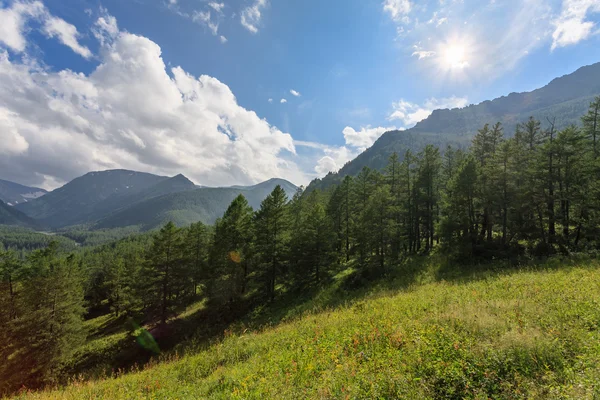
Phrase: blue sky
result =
(237, 91)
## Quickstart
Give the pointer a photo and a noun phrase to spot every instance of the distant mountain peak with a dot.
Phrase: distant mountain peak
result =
(182, 178)
(13, 193)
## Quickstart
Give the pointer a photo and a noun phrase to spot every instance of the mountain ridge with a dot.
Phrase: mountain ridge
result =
(13, 193)
(114, 198)
(565, 98)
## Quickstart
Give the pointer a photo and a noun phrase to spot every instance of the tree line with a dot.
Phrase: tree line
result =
(536, 193)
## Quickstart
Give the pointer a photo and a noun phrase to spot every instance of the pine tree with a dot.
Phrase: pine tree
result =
(196, 248)
(591, 125)
(162, 272)
(429, 163)
(49, 327)
(459, 226)
(232, 251)
(272, 238)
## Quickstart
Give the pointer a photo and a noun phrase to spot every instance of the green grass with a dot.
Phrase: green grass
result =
(529, 333)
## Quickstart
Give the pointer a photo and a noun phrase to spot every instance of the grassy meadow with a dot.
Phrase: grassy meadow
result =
(425, 332)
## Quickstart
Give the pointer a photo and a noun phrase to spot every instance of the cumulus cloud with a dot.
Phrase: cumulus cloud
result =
(130, 112)
(14, 25)
(411, 113)
(365, 137)
(223, 39)
(251, 15)
(572, 25)
(295, 93)
(283, 101)
(335, 157)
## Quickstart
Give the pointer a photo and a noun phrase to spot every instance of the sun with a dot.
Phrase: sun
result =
(455, 56)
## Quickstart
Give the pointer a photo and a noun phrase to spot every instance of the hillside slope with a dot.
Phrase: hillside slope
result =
(183, 208)
(522, 334)
(566, 98)
(13, 217)
(13, 193)
(72, 203)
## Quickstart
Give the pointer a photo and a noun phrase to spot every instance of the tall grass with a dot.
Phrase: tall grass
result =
(427, 333)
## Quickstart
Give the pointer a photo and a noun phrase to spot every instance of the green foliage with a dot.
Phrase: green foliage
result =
(529, 196)
(232, 252)
(523, 334)
(24, 240)
(43, 325)
(182, 208)
(11, 216)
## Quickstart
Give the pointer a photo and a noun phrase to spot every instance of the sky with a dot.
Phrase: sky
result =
(234, 92)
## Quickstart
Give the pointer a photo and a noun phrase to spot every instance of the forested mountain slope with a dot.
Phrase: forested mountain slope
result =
(13, 193)
(564, 100)
(72, 203)
(11, 216)
(204, 204)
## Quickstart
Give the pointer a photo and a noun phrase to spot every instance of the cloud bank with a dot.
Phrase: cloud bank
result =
(130, 112)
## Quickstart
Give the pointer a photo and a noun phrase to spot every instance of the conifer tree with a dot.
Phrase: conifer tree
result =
(162, 279)
(232, 251)
(272, 238)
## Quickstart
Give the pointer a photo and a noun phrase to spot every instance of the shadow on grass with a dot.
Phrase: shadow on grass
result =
(200, 329)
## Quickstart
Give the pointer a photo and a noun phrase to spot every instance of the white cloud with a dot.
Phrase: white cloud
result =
(283, 101)
(218, 7)
(398, 9)
(295, 93)
(270, 100)
(13, 23)
(251, 16)
(204, 18)
(411, 113)
(12, 141)
(571, 26)
(423, 54)
(490, 37)
(130, 112)
(437, 20)
(335, 157)
(67, 34)
(106, 28)
(13, 27)
(364, 138)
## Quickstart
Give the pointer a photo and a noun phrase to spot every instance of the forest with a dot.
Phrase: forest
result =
(530, 194)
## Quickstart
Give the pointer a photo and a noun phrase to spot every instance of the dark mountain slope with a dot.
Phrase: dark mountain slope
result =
(74, 202)
(13, 193)
(11, 216)
(566, 98)
(183, 208)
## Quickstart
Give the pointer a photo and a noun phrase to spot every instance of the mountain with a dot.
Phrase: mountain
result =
(82, 198)
(11, 216)
(12, 193)
(566, 98)
(183, 208)
(119, 198)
